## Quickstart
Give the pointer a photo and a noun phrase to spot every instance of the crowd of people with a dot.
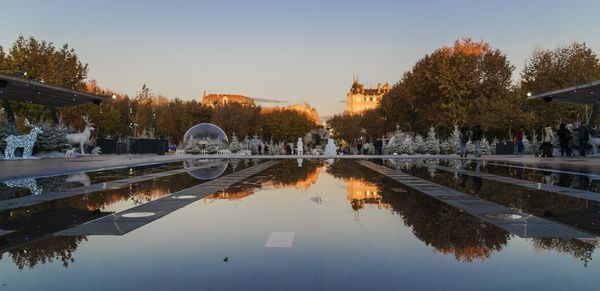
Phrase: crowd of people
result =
(569, 140)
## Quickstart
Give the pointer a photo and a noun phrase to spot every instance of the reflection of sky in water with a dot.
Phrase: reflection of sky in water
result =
(395, 240)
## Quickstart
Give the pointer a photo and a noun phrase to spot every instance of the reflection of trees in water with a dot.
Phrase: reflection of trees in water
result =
(47, 250)
(446, 229)
(576, 248)
(288, 174)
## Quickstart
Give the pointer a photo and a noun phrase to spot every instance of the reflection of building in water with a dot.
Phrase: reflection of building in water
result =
(230, 195)
(360, 192)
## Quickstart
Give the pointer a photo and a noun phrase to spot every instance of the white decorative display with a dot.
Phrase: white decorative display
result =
(82, 137)
(300, 147)
(330, 148)
(26, 142)
(432, 144)
(419, 145)
(256, 146)
(25, 183)
(70, 153)
(234, 145)
(96, 151)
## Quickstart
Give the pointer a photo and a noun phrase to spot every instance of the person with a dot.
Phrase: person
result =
(519, 134)
(584, 136)
(288, 149)
(359, 148)
(564, 138)
(547, 142)
(464, 138)
(260, 149)
(477, 137)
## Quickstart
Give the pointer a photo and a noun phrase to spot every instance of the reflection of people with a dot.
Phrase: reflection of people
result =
(477, 181)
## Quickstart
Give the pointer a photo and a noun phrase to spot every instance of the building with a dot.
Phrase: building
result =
(213, 100)
(360, 98)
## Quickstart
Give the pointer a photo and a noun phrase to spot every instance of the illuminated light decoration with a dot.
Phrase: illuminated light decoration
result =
(26, 142)
(528, 94)
(114, 96)
(29, 183)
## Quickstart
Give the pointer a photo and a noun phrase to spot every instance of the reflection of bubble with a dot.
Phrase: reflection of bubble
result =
(205, 137)
(202, 170)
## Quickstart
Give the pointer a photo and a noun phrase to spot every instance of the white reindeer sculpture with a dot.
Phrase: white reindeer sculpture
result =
(26, 142)
(82, 137)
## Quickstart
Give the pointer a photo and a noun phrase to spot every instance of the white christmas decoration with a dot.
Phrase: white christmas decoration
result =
(432, 144)
(256, 146)
(82, 137)
(300, 147)
(407, 146)
(96, 151)
(330, 148)
(70, 153)
(454, 141)
(234, 145)
(419, 145)
(29, 183)
(26, 142)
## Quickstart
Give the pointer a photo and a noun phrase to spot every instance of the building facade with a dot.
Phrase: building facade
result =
(360, 98)
(212, 100)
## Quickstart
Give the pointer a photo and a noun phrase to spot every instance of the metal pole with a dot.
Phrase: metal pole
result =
(54, 115)
(593, 113)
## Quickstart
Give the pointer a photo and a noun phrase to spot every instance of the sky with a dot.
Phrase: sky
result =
(293, 51)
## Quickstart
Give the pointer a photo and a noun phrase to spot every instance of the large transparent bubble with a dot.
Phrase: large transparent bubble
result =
(205, 138)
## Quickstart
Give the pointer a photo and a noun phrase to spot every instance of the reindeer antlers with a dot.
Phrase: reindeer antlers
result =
(87, 120)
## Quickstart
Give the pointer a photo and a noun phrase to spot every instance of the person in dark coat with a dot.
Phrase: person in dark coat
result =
(477, 137)
(584, 136)
(564, 138)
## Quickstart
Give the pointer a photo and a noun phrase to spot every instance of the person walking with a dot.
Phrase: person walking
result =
(464, 138)
(519, 134)
(584, 135)
(564, 138)
(477, 137)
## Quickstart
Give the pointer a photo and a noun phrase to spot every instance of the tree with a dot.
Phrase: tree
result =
(42, 61)
(285, 124)
(447, 86)
(346, 126)
(554, 69)
(234, 117)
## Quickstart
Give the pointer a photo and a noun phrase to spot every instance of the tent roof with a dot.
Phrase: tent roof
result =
(25, 90)
(581, 94)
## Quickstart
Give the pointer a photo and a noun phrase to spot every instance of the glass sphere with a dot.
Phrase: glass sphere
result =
(205, 138)
(205, 170)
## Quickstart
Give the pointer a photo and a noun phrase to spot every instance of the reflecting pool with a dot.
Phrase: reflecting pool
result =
(310, 225)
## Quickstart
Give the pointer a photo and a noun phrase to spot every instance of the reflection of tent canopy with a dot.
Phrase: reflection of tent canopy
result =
(25, 90)
(586, 94)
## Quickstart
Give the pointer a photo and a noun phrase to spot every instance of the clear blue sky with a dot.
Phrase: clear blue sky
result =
(286, 50)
